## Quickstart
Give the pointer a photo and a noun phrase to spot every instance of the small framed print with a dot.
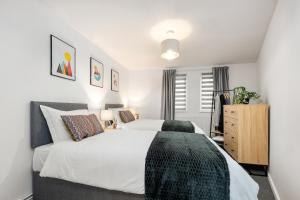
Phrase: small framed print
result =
(96, 73)
(63, 59)
(114, 80)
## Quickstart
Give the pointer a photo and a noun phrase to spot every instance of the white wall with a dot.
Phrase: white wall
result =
(25, 65)
(279, 84)
(145, 90)
(243, 75)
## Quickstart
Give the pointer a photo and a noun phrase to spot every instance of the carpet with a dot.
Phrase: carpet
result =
(265, 191)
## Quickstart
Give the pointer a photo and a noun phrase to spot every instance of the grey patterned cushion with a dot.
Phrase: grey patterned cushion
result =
(126, 116)
(82, 126)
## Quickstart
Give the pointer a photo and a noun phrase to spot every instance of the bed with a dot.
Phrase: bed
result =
(143, 124)
(59, 187)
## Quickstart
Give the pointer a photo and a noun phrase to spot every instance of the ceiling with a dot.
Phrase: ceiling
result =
(226, 31)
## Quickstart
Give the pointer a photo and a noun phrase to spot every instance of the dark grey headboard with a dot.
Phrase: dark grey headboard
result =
(107, 106)
(40, 134)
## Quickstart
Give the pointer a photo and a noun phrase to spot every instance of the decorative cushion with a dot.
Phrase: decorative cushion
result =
(82, 126)
(130, 116)
(126, 116)
(59, 132)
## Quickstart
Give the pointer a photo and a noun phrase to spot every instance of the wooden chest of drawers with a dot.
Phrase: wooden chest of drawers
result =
(246, 135)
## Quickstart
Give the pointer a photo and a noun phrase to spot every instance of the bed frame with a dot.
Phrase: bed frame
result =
(107, 106)
(56, 189)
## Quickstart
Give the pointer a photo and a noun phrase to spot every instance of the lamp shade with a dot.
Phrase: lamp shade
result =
(170, 49)
(107, 115)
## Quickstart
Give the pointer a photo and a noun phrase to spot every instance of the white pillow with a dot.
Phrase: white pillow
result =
(95, 112)
(58, 130)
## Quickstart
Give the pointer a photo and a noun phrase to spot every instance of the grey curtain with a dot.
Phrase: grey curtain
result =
(221, 78)
(168, 95)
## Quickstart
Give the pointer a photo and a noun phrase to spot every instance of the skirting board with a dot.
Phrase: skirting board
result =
(275, 192)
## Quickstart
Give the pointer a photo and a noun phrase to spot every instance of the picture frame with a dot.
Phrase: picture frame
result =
(115, 80)
(63, 59)
(96, 73)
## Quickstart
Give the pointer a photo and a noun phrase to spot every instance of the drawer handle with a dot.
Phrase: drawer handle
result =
(232, 124)
(226, 122)
(225, 144)
(232, 111)
(232, 137)
(225, 133)
(232, 150)
(225, 110)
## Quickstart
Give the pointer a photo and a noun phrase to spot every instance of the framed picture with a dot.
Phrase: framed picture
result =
(63, 59)
(96, 73)
(114, 80)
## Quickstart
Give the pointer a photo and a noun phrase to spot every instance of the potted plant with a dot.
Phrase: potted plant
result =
(242, 96)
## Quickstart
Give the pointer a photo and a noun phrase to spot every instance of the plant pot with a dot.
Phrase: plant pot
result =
(255, 101)
(246, 101)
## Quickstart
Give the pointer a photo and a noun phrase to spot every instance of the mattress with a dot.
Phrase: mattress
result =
(40, 155)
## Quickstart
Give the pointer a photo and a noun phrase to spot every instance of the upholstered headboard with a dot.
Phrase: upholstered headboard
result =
(40, 134)
(107, 106)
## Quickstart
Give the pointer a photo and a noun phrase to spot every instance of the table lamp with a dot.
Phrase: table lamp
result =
(107, 116)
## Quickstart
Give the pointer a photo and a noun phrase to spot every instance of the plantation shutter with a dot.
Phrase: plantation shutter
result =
(180, 92)
(206, 91)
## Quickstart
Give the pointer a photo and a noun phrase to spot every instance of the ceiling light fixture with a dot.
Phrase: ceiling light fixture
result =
(170, 47)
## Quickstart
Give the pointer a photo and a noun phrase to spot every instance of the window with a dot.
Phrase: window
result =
(180, 92)
(206, 93)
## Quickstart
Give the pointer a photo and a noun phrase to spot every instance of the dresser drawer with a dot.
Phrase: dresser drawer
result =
(233, 153)
(231, 111)
(231, 137)
(231, 142)
(230, 124)
(232, 131)
(231, 148)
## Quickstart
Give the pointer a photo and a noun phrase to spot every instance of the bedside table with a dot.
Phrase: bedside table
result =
(108, 129)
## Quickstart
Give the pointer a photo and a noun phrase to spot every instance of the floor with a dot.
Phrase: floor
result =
(265, 191)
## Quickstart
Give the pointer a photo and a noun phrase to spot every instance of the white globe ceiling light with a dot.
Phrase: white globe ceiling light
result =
(170, 47)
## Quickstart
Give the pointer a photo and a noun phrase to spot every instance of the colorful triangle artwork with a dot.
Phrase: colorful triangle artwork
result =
(59, 70)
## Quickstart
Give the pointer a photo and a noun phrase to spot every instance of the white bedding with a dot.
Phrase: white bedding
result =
(150, 125)
(116, 161)
(40, 155)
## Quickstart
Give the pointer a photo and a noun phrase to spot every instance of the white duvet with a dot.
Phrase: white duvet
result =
(116, 161)
(150, 125)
